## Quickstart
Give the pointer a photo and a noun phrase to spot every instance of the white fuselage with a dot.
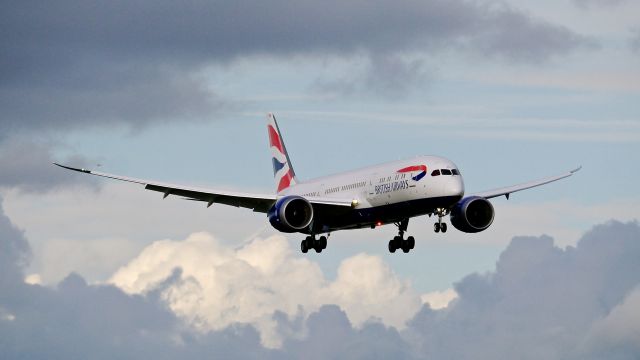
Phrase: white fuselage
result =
(383, 184)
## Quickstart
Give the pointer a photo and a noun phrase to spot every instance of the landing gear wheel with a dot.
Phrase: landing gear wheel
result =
(405, 246)
(443, 227)
(436, 227)
(411, 242)
(304, 246)
(322, 242)
(392, 246)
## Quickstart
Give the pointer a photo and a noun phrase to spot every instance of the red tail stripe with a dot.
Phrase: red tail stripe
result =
(285, 182)
(274, 139)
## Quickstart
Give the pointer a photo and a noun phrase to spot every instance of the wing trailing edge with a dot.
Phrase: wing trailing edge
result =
(257, 202)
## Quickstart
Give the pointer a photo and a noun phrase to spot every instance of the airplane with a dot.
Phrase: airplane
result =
(389, 193)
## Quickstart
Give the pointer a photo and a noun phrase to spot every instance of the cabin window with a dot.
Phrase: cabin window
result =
(435, 173)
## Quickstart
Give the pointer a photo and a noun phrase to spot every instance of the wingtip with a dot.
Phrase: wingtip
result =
(576, 169)
(72, 168)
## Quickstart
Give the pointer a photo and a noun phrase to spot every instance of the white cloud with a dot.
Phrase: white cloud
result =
(219, 286)
(439, 299)
(620, 328)
(95, 232)
(91, 257)
(33, 279)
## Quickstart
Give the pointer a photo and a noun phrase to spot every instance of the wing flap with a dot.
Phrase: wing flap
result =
(523, 186)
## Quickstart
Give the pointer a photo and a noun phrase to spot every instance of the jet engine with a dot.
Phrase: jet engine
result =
(291, 214)
(472, 214)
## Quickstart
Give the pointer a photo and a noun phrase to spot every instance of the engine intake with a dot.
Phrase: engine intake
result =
(291, 214)
(472, 214)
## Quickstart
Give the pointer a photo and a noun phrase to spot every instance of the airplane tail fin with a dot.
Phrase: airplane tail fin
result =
(282, 168)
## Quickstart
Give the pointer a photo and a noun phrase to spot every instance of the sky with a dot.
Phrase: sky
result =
(178, 92)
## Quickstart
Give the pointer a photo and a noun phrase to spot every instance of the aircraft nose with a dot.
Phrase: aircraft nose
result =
(456, 187)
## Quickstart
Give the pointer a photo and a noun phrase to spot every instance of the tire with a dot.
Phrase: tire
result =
(411, 242)
(303, 246)
(392, 246)
(443, 227)
(323, 242)
(436, 227)
(405, 247)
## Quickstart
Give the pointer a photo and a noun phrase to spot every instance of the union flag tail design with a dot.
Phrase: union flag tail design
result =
(282, 169)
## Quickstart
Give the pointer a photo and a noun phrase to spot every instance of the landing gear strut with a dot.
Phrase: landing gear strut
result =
(440, 226)
(310, 242)
(399, 242)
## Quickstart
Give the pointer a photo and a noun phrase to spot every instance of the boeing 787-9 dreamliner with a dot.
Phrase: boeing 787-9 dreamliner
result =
(389, 193)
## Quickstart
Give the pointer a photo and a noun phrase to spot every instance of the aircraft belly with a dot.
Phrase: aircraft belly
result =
(385, 214)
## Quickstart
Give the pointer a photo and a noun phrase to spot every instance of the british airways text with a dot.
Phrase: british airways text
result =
(394, 186)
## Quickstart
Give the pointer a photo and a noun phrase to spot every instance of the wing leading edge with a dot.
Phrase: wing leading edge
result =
(257, 202)
(506, 191)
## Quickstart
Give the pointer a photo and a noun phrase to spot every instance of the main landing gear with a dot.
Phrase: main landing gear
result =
(399, 242)
(310, 242)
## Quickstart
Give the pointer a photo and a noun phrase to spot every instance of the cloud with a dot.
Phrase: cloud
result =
(27, 166)
(74, 64)
(199, 298)
(15, 252)
(619, 331)
(383, 75)
(602, 3)
(539, 294)
(517, 37)
(332, 336)
(215, 286)
(78, 320)
(439, 299)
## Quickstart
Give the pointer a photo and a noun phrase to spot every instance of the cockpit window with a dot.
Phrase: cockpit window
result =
(446, 172)
(455, 172)
(435, 173)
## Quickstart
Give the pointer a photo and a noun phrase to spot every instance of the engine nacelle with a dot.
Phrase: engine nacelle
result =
(472, 214)
(291, 214)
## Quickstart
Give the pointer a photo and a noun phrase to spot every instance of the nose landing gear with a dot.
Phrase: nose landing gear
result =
(440, 226)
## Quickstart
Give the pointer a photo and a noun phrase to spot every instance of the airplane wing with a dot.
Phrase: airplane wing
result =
(528, 185)
(257, 202)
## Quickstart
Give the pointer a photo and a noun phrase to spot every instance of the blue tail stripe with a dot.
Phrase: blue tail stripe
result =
(277, 166)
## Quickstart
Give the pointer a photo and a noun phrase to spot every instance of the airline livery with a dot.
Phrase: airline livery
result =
(390, 193)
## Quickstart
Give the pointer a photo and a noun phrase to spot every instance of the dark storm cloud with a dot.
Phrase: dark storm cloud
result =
(541, 302)
(386, 76)
(330, 335)
(14, 254)
(589, 3)
(28, 166)
(77, 63)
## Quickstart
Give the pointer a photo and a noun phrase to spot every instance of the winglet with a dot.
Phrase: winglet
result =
(72, 168)
(576, 169)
